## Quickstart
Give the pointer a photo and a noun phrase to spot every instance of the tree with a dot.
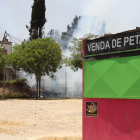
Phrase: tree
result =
(66, 36)
(2, 58)
(71, 29)
(75, 60)
(37, 22)
(37, 19)
(39, 56)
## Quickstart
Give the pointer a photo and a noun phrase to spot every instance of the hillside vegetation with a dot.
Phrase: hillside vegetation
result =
(17, 88)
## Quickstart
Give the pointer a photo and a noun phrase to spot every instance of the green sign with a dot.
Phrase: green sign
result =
(112, 78)
(113, 43)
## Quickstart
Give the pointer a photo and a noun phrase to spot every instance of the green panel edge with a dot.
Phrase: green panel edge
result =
(112, 78)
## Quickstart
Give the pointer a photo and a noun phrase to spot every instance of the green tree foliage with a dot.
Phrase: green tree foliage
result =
(37, 19)
(37, 22)
(39, 56)
(3, 60)
(75, 60)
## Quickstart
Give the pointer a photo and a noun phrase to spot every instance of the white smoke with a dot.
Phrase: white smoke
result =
(66, 79)
(120, 15)
(89, 24)
(86, 25)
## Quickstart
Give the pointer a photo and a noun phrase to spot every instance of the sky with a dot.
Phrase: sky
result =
(119, 15)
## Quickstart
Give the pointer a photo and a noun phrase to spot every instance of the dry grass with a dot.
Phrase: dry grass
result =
(9, 124)
(7, 131)
(60, 138)
(7, 127)
(41, 119)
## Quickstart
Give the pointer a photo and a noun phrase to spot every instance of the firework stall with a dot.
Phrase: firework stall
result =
(111, 87)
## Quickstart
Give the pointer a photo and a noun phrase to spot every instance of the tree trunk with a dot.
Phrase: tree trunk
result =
(39, 85)
(36, 86)
(40, 32)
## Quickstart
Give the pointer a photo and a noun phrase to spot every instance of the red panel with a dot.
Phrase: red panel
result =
(83, 41)
(118, 119)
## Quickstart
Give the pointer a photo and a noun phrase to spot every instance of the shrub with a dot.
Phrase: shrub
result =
(15, 81)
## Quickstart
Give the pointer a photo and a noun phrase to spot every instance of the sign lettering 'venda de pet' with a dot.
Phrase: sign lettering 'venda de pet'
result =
(114, 43)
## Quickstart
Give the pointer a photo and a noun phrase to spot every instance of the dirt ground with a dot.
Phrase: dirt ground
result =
(41, 119)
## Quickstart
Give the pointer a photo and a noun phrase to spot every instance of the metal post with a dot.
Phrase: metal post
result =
(43, 90)
(65, 83)
(4, 78)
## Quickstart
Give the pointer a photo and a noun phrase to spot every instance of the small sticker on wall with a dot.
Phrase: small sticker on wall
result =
(91, 109)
